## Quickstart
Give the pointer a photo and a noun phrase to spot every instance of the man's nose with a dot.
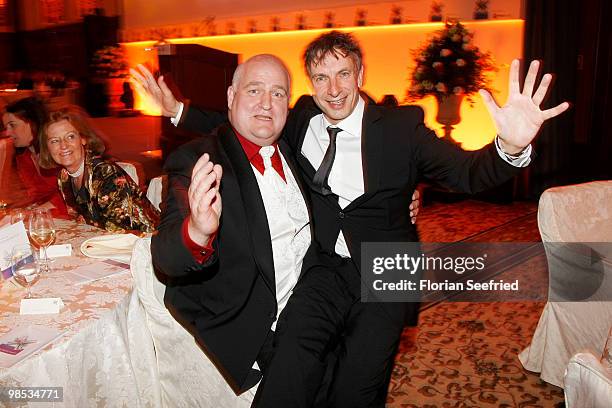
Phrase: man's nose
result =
(333, 89)
(266, 100)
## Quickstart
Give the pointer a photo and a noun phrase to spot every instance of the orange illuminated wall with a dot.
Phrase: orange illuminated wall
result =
(387, 60)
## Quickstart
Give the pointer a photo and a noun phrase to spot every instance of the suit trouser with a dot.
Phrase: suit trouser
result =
(308, 330)
(325, 305)
(366, 355)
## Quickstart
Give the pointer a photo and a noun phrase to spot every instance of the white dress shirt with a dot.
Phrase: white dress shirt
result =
(346, 175)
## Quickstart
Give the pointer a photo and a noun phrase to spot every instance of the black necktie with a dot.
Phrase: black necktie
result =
(321, 176)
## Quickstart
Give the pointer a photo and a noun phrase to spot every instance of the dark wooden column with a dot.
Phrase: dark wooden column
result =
(200, 74)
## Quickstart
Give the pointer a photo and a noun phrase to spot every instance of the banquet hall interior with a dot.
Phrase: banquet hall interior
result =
(490, 351)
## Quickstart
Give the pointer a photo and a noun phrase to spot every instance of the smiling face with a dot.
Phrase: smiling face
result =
(335, 82)
(65, 145)
(258, 100)
(17, 129)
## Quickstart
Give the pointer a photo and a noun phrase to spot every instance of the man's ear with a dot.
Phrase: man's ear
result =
(230, 96)
(360, 77)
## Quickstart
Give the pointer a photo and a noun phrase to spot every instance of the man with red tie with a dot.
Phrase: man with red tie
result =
(235, 234)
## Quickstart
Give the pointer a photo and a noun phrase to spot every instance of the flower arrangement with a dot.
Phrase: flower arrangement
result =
(109, 62)
(449, 64)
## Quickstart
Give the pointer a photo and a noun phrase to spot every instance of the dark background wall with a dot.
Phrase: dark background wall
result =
(576, 39)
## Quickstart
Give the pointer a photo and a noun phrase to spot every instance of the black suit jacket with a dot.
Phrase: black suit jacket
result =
(229, 302)
(398, 150)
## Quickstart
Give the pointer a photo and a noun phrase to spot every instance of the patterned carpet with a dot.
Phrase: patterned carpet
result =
(465, 354)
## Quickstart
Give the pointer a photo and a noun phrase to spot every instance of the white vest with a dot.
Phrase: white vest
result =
(288, 223)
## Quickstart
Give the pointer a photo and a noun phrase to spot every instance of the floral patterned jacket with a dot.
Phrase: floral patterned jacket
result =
(108, 198)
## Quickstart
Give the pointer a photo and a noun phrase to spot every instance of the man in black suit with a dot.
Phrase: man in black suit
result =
(380, 154)
(235, 233)
(362, 163)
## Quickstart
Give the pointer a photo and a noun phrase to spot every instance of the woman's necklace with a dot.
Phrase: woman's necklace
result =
(79, 171)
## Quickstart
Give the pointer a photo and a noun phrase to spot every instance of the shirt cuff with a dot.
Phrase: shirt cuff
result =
(521, 160)
(175, 120)
(200, 253)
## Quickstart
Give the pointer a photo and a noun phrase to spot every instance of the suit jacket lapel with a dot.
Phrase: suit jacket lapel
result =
(371, 153)
(297, 123)
(371, 148)
(304, 163)
(257, 220)
(289, 156)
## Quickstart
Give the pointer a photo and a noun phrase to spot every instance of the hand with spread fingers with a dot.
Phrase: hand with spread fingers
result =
(204, 200)
(156, 92)
(520, 119)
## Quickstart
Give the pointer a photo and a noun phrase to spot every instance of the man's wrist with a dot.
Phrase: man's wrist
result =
(201, 253)
(510, 150)
(175, 119)
(196, 236)
(521, 159)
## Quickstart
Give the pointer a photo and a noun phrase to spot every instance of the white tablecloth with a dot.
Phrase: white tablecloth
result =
(105, 357)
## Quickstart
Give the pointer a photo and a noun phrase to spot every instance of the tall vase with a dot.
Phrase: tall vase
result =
(448, 113)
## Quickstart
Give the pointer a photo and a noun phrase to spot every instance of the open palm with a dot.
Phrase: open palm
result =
(155, 92)
(520, 119)
(204, 200)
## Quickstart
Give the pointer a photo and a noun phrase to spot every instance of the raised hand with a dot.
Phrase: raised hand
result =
(520, 119)
(204, 200)
(156, 92)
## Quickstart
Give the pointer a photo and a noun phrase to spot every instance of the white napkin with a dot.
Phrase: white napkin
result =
(116, 247)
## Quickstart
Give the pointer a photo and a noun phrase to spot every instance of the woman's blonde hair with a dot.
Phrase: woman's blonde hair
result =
(80, 120)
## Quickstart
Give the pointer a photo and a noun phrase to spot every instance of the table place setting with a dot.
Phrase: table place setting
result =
(10, 236)
(26, 263)
(26, 256)
(41, 306)
(22, 341)
(99, 335)
(54, 276)
(95, 271)
(117, 247)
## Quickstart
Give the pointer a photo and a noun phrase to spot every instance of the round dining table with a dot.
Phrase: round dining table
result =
(104, 356)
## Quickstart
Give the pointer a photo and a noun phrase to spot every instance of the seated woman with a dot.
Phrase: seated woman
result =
(98, 190)
(23, 121)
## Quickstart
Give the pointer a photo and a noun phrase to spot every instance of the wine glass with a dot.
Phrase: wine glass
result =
(19, 214)
(6, 258)
(42, 232)
(25, 266)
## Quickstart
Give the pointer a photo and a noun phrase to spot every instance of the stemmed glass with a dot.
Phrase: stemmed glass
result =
(19, 214)
(42, 232)
(26, 269)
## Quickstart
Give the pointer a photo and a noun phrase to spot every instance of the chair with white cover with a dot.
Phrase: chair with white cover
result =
(588, 382)
(577, 214)
(155, 191)
(187, 377)
(130, 169)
